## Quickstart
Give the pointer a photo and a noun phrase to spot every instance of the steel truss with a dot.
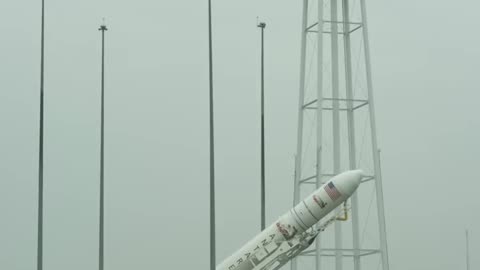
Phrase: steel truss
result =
(339, 98)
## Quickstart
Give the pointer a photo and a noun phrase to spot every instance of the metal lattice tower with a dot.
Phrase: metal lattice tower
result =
(337, 132)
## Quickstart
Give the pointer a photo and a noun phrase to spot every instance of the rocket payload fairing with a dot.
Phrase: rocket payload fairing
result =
(293, 232)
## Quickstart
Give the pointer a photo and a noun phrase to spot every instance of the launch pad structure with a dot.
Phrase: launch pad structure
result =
(337, 132)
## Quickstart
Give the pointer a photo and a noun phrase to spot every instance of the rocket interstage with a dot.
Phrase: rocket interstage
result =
(291, 234)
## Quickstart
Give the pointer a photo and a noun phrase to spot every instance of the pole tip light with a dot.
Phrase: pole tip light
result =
(103, 27)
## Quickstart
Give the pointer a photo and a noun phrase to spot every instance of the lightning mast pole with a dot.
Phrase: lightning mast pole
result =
(40, 149)
(262, 25)
(102, 28)
(212, 147)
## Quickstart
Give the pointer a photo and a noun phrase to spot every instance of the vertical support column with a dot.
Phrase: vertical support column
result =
(351, 130)
(301, 100)
(376, 158)
(336, 123)
(40, 148)
(102, 28)
(262, 25)
(318, 246)
(213, 252)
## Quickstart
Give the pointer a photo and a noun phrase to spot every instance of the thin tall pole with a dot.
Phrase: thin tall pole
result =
(468, 250)
(262, 25)
(40, 149)
(102, 28)
(212, 147)
(301, 101)
(319, 112)
(336, 124)
(351, 130)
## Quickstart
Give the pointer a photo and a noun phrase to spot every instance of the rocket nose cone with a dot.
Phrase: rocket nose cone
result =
(358, 174)
(347, 182)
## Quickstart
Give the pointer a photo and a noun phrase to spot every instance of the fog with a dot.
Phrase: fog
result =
(425, 60)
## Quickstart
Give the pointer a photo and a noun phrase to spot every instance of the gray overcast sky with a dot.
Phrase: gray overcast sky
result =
(425, 57)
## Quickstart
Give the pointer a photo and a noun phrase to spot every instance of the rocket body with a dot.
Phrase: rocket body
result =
(291, 234)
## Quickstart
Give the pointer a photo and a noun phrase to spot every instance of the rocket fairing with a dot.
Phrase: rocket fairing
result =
(291, 234)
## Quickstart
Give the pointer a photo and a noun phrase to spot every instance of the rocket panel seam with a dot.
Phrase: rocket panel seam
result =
(295, 216)
(311, 213)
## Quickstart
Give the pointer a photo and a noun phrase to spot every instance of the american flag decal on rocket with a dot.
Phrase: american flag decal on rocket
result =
(332, 191)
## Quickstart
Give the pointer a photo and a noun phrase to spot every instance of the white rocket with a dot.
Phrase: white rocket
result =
(294, 231)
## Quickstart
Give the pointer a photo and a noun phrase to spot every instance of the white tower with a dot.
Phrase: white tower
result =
(337, 132)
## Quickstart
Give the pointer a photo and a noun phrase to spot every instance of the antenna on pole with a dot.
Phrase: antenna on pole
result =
(262, 26)
(40, 149)
(102, 28)
(212, 147)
